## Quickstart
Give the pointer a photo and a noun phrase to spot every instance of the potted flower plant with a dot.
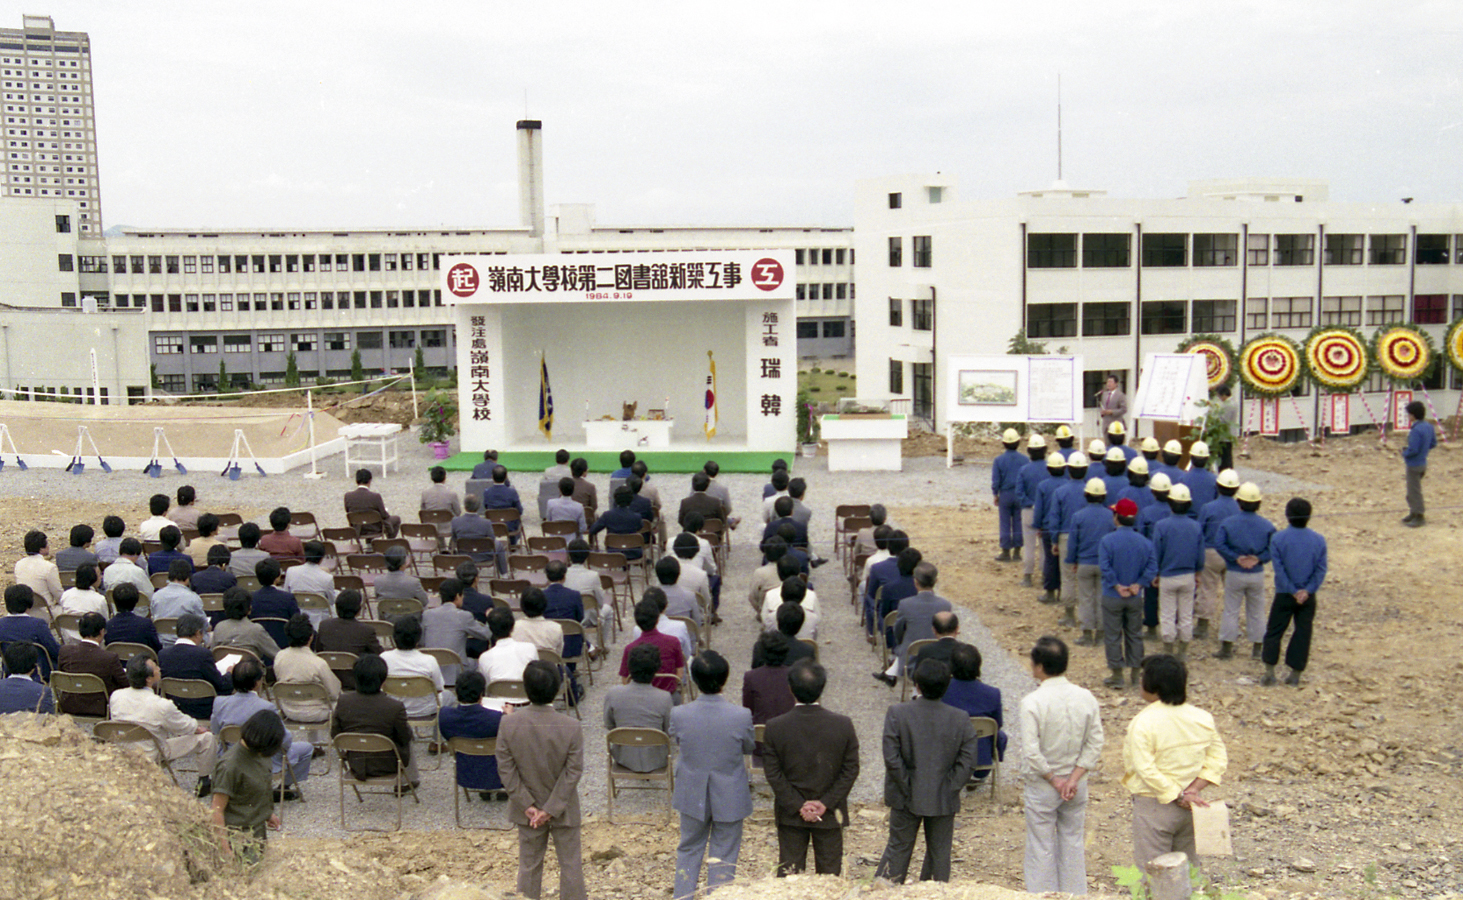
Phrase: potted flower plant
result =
(439, 423)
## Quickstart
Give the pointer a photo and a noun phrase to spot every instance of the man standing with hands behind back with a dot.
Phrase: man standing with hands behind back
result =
(1113, 403)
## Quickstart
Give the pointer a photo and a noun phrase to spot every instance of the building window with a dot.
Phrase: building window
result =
(801, 255)
(1257, 250)
(1051, 251)
(1216, 249)
(1163, 316)
(1384, 310)
(1432, 250)
(93, 264)
(175, 303)
(225, 302)
(173, 265)
(167, 344)
(1051, 320)
(1106, 319)
(840, 291)
(402, 340)
(154, 265)
(833, 329)
(1213, 316)
(1341, 311)
(1290, 312)
(119, 264)
(896, 200)
(924, 389)
(435, 337)
(896, 312)
(173, 384)
(920, 251)
(358, 262)
(936, 193)
(225, 265)
(63, 224)
(237, 343)
(922, 315)
(1106, 251)
(1388, 249)
(190, 265)
(337, 340)
(68, 298)
(406, 262)
(1165, 250)
(1343, 250)
(807, 330)
(828, 256)
(896, 252)
(1295, 249)
(896, 376)
(373, 262)
(1430, 309)
(368, 340)
(271, 343)
(838, 256)
(66, 262)
(1457, 306)
(828, 291)
(302, 342)
(1094, 381)
(203, 343)
(1257, 315)
(190, 302)
(207, 262)
(802, 292)
(813, 256)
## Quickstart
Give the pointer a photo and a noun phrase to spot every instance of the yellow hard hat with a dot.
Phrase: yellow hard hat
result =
(1159, 483)
(1063, 431)
(1056, 461)
(1096, 487)
(1037, 442)
(1077, 460)
(1116, 454)
(1096, 448)
(1229, 478)
(1249, 492)
(1139, 466)
(1150, 445)
(1116, 428)
(1009, 436)
(1180, 493)
(1199, 448)
(1174, 447)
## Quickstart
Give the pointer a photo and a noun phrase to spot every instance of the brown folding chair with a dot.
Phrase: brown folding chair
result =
(441, 520)
(158, 579)
(166, 626)
(68, 578)
(475, 547)
(377, 745)
(986, 727)
(385, 632)
(176, 689)
(623, 544)
(63, 683)
(303, 523)
(447, 563)
(311, 601)
(851, 528)
(304, 692)
(565, 694)
(125, 650)
(714, 530)
(553, 547)
(382, 544)
(364, 521)
(470, 747)
(224, 650)
(616, 569)
(126, 734)
(212, 603)
(249, 583)
(530, 565)
(413, 687)
(508, 517)
(344, 539)
(346, 582)
(432, 584)
(508, 690)
(616, 773)
(562, 528)
(813, 645)
(572, 628)
(855, 575)
(67, 627)
(340, 663)
(422, 540)
(447, 661)
(841, 512)
(908, 674)
(368, 566)
(886, 652)
(392, 609)
(228, 528)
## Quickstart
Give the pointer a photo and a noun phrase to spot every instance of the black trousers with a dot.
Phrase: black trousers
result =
(1150, 606)
(792, 850)
(904, 829)
(1226, 455)
(1282, 611)
(1051, 575)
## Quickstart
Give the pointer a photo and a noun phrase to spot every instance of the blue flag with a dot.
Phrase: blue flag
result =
(545, 399)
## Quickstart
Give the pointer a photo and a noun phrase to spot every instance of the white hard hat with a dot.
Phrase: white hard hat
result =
(1116, 454)
(1199, 448)
(1077, 460)
(1174, 447)
(1096, 487)
(1249, 492)
(1149, 445)
(1009, 436)
(1063, 431)
(1056, 461)
(1037, 442)
(1138, 466)
(1096, 448)
(1180, 493)
(1159, 483)
(1116, 428)
(1229, 478)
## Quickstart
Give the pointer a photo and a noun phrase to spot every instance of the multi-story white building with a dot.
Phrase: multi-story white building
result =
(1114, 279)
(50, 145)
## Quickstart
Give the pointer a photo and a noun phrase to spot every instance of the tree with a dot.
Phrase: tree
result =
(156, 382)
(358, 372)
(291, 371)
(1021, 345)
(419, 363)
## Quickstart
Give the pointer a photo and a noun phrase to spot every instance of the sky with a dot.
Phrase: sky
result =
(368, 114)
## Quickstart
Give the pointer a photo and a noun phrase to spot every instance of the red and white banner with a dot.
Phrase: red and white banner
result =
(1340, 413)
(1270, 416)
(1401, 421)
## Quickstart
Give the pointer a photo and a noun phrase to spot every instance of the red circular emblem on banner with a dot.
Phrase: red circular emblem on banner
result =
(462, 280)
(767, 274)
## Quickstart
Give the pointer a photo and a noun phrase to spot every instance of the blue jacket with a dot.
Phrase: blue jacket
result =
(565, 603)
(478, 773)
(1142, 496)
(1006, 472)
(1244, 534)
(1420, 441)
(1178, 544)
(1174, 473)
(1089, 526)
(880, 574)
(1202, 485)
(1151, 515)
(1125, 557)
(619, 520)
(1042, 499)
(976, 698)
(131, 628)
(159, 561)
(1212, 515)
(272, 603)
(1299, 557)
(1115, 485)
(185, 660)
(20, 694)
(799, 540)
(1066, 451)
(1066, 502)
(502, 496)
(28, 628)
(1028, 479)
(714, 735)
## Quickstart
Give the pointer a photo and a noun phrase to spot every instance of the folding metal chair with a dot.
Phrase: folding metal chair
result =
(79, 684)
(351, 742)
(479, 747)
(176, 689)
(294, 692)
(643, 738)
(304, 526)
(125, 650)
(909, 657)
(565, 693)
(126, 734)
(413, 687)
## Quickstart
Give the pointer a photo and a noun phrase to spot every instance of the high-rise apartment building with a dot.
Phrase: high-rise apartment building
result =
(50, 147)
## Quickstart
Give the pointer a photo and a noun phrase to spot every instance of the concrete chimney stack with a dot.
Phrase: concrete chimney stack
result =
(531, 176)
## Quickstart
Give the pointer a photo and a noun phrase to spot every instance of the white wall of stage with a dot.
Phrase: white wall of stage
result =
(644, 341)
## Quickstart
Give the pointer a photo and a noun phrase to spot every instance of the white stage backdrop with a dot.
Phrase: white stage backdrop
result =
(626, 328)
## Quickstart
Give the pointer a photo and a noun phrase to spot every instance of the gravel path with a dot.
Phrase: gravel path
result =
(843, 650)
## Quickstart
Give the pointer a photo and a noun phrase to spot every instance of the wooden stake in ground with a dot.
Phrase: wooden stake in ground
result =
(1168, 876)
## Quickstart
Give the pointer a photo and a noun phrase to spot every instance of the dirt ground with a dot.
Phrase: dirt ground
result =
(387, 406)
(1346, 786)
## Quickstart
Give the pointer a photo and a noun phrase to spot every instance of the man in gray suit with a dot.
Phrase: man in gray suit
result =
(394, 584)
(640, 704)
(540, 758)
(712, 794)
(929, 752)
(449, 626)
(916, 621)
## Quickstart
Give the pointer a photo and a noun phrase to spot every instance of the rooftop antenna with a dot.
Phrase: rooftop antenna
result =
(1059, 126)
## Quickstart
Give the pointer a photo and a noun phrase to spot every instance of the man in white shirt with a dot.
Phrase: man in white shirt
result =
(793, 590)
(679, 601)
(560, 468)
(406, 660)
(36, 570)
(580, 577)
(508, 656)
(151, 528)
(176, 599)
(534, 628)
(177, 733)
(801, 512)
(692, 578)
(126, 570)
(780, 482)
(311, 578)
(1061, 741)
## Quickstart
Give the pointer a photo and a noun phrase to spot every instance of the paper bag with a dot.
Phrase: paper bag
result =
(1211, 830)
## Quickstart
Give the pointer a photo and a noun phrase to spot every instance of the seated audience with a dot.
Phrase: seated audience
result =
(406, 660)
(83, 597)
(397, 584)
(789, 621)
(127, 626)
(199, 547)
(672, 657)
(36, 571)
(248, 555)
(974, 697)
(271, 603)
(246, 699)
(20, 690)
(177, 733)
(363, 499)
(471, 719)
(88, 657)
(171, 539)
(236, 629)
(152, 526)
(564, 508)
(620, 519)
(187, 657)
(298, 664)
(113, 527)
(279, 543)
(639, 704)
(367, 710)
(449, 626)
(79, 553)
(126, 569)
(765, 690)
(176, 599)
(508, 656)
(439, 495)
(185, 514)
(346, 634)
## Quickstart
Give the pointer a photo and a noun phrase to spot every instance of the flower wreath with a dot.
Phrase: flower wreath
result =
(1404, 353)
(1270, 365)
(1219, 357)
(1337, 358)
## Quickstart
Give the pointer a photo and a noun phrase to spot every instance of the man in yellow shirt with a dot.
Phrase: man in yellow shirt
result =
(1171, 753)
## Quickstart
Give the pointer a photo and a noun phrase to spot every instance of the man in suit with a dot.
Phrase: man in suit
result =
(946, 626)
(564, 508)
(470, 719)
(883, 574)
(19, 625)
(916, 618)
(20, 691)
(782, 510)
(790, 618)
(88, 657)
(178, 735)
(127, 625)
(974, 697)
(640, 704)
(345, 634)
(484, 469)
(1112, 402)
(811, 760)
(126, 569)
(719, 491)
(621, 519)
(585, 493)
(439, 495)
(269, 602)
(540, 758)
(363, 499)
(175, 599)
(929, 753)
(711, 792)
(448, 626)
(701, 502)
(188, 658)
(472, 526)
(395, 584)
(502, 495)
(560, 468)
(367, 710)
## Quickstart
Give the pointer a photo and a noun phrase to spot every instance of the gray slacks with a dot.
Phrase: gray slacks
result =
(1247, 590)
(1160, 828)
(1055, 853)
(1089, 596)
(719, 842)
(1414, 489)
(1122, 631)
(904, 829)
(533, 843)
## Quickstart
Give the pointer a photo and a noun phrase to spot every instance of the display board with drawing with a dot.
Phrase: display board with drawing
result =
(1012, 389)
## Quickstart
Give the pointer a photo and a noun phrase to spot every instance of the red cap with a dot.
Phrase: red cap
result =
(1125, 507)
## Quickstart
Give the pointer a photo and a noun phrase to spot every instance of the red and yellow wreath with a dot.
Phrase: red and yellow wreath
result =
(1270, 365)
(1337, 358)
(1454, 345)
(1218, 357)
(1403, 353)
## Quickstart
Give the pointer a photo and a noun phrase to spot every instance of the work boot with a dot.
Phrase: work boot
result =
(1417, 522)
(1183, 652)
(1086, 639)
(1005, 555)
(1407, 519)
(1150, 633)
(1069, 619)
(1134, 676)
(1256, 650)
(1015, 554)
(1050, 597)
(1115, 680)
(1168, 647)
(1201, 629)
(1226, 650)
(1293, 679)
(1269, 679)
(1026, 581)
